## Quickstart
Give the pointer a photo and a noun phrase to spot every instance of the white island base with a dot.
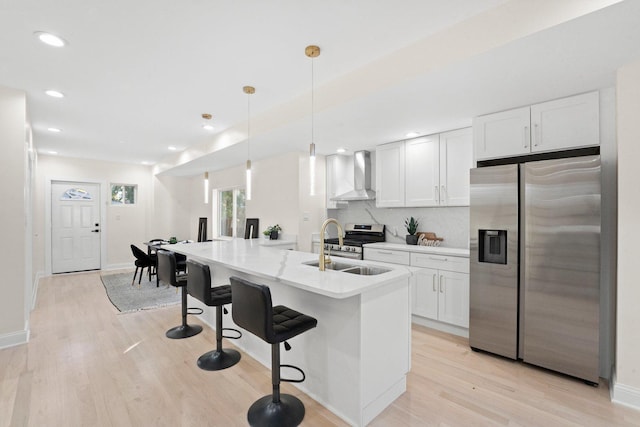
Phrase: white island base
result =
(357, 358)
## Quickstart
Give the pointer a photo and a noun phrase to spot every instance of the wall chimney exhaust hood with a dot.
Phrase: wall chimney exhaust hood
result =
(361, 179)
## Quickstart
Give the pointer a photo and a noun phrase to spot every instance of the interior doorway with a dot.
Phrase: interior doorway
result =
(75, 226)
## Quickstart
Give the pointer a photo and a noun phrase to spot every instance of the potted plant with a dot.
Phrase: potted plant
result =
(411, 225)
(272, 232)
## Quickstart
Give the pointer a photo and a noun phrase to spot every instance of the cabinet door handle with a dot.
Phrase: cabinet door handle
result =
(536, 135)
(526, 137)
(442, 193)
(385, 252)
(433, 282)
(437, 193)
(437, 259)
(441, 285)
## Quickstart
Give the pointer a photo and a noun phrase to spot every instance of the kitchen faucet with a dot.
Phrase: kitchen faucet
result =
(325, 259)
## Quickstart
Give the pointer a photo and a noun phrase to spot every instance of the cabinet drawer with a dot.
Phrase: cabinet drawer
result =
(386, 255)
(440, 262)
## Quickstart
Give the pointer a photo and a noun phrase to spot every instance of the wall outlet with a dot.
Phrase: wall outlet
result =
(305, 216)
(395, 231)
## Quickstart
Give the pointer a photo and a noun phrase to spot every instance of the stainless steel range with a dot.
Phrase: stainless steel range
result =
(355, 235)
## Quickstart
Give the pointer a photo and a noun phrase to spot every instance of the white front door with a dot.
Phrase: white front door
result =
(75, 226)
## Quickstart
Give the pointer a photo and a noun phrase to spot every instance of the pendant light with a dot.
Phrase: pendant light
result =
(206, 187)
(312, 52)
(249, 90)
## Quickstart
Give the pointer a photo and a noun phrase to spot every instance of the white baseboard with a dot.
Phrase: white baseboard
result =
(36, 283)
(120, 266)
(14, 338)
(624, 394)
(444, 327)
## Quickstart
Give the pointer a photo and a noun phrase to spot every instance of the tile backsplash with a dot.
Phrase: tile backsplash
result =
(450, 223)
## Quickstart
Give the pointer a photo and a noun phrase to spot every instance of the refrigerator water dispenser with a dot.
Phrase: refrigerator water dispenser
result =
(492, 246)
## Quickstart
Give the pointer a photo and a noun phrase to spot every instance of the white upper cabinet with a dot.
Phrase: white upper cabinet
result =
(502, 134)
(390, 165)
(422, 171)
(561, 124)
(427, 171)
(339, 178)
(456, 160)
(566, 123)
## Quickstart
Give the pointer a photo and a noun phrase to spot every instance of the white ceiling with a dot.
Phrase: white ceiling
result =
(137, 75)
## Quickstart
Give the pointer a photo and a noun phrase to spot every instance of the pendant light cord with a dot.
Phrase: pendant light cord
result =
(312, 104)
(248, 125)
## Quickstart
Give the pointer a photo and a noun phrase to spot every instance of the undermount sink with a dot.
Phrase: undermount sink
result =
(363, 270)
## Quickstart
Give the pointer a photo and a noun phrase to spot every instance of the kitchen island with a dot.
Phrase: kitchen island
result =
(357, 358)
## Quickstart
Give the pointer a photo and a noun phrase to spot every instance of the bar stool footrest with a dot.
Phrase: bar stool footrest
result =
(194, 311)
(231, 337)
(291, 380)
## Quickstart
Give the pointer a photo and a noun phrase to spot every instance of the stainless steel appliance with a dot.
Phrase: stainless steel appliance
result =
(535, 263)
(355, 235)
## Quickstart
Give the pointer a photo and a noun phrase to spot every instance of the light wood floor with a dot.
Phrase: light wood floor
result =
(87, 365)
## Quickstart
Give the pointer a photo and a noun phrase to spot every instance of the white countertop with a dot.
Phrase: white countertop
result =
(252, 257)
(436, 250)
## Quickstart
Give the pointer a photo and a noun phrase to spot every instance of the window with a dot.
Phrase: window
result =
(231, 215)
(76, 194)
(122, 194)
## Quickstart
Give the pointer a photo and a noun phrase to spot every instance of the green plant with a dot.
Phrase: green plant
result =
(411, 225)
(272, 228)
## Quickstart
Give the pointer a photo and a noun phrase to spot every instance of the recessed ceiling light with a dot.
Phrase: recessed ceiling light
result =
(207, 127)
(55, 94)
(146, 163)
(341, 150)
(50, 39)
(172, 148)
(54, 130)
(412, 134)
(52, 152)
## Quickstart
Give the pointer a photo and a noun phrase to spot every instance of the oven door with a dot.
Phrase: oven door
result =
(344, 254)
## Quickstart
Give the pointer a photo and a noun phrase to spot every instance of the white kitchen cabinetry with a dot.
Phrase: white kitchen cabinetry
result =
(561, 124)
(439, 286)
(456, 160)
(422, 171)
(442, 288)
(339, 178)
(390, 164)
(427, 171)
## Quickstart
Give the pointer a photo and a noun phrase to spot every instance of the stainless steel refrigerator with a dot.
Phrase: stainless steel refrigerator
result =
(535, 263)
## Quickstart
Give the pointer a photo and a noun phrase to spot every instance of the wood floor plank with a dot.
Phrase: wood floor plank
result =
(88, 365)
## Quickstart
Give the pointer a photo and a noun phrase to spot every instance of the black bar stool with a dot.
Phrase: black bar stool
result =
(199, 287)
(252, 310)
(167, 273)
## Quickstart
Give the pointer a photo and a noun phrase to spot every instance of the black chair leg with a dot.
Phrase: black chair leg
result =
(219, 358)
(134, 276)
(184, 330)
(282, 410)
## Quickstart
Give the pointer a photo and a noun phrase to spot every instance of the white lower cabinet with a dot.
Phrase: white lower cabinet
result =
(442, 295)
(439, 287)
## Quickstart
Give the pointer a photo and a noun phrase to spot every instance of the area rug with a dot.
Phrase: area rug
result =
(127, 298)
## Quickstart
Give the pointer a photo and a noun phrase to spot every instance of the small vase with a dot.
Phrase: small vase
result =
(411, 239)
(273, 235)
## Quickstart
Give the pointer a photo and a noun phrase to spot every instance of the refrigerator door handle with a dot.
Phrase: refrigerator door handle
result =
(433, 283)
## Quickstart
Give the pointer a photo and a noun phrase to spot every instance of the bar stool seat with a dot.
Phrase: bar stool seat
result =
(252, 310)
(199, 287)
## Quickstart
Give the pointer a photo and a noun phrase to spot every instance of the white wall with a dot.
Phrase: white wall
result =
(280, 195)
(13, 120)
(627, 385)
(122, 226)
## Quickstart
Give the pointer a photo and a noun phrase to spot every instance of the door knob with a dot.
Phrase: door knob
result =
(95, 231)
